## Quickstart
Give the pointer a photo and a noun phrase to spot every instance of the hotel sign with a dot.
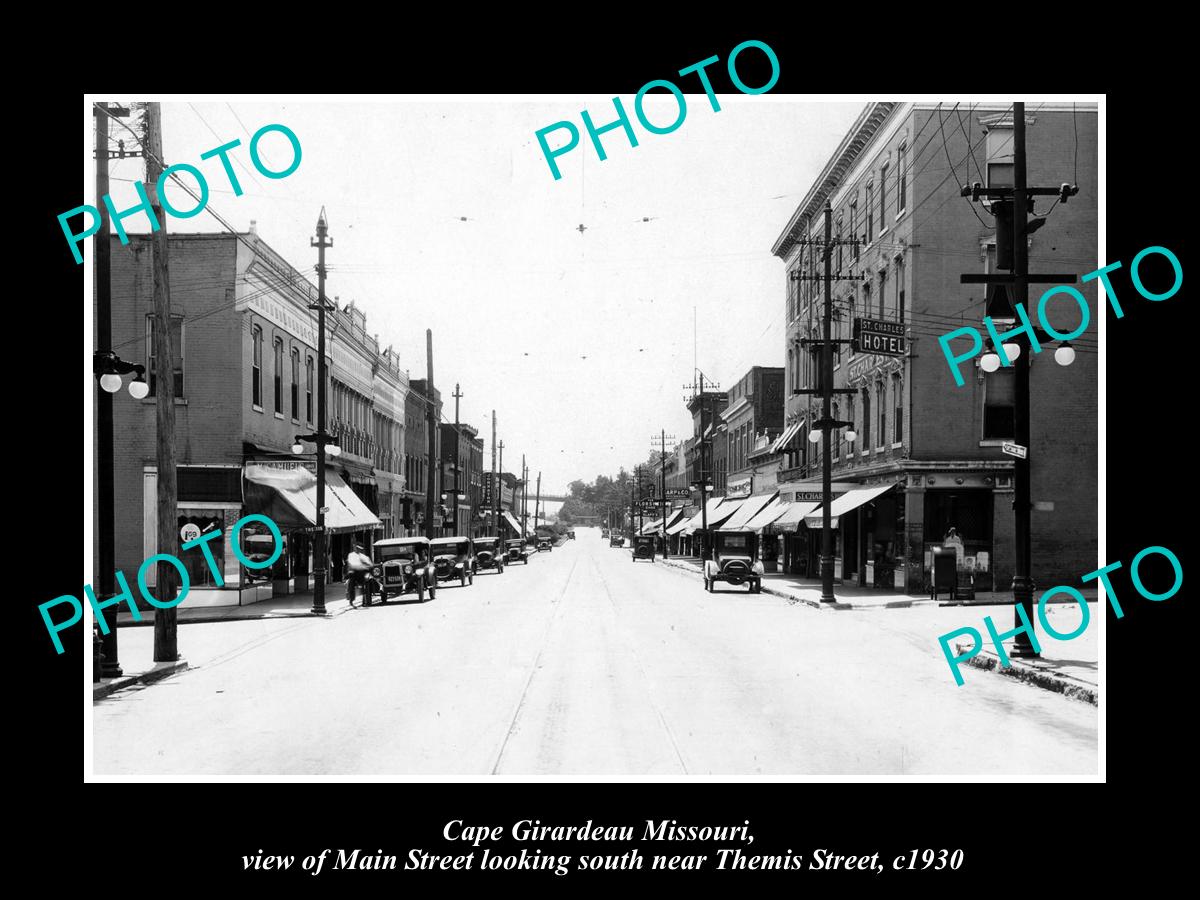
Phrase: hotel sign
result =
(879, 336)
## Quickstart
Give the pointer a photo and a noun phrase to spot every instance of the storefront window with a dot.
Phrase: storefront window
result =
(195, 523)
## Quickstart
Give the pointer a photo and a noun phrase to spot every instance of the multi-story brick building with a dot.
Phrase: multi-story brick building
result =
(928, 454)
(420, 401)
(754, 415)
(244, 350)
(460, 471)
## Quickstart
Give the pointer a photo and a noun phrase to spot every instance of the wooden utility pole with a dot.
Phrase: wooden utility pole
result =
(498, 488)
(495, 486)
(432, 417)
(524, 498)
(166, 648)
(537, 505)
(457, 453)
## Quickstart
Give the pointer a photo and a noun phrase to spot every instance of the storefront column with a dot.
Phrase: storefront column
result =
(914, 540)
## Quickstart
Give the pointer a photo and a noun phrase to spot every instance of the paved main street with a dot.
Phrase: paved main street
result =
(583, 663)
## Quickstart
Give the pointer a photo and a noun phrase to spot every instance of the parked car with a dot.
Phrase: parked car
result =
(453, 558)
(517, 551)
(603, 532)
(402, 565)
(616, 541)
(489, 554)
(543, 545)
(733, 560)
(643, 547)
(571, 535)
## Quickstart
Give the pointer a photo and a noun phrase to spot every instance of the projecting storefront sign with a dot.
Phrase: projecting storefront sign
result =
(679, 492)
(879, 336)
(741, 489)
(1017, 450)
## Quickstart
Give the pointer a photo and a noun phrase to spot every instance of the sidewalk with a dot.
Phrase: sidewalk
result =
(290, 606)
(135, 646)
(1067, 667)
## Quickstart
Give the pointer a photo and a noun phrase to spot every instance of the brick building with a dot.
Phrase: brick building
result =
(460, 471)
(928, 454)
(244, 348)
(753, 417)
(416, 445)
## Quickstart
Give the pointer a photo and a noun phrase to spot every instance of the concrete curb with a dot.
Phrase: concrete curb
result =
(1032, 673)
(148, 621)
(817, 604)
(157, 673)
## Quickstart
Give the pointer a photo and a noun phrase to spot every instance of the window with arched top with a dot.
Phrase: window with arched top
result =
(256, 367)
(295, 384)
(881, 396)
(278, 373)
(866, 432)
(308, 390)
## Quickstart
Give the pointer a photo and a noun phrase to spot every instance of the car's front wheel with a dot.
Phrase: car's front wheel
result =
(420, 592)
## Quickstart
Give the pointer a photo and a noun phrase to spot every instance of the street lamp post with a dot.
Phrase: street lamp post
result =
(108, 369)
(321, 437)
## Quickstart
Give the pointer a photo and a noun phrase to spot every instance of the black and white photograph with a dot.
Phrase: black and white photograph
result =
(702, 432)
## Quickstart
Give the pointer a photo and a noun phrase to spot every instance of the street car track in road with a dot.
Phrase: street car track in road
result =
(645, 677)
(516, 715)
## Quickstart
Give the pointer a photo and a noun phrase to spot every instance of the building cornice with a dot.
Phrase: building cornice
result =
(859, 136)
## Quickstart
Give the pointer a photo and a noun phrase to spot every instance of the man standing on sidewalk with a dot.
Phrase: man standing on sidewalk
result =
(358, 564)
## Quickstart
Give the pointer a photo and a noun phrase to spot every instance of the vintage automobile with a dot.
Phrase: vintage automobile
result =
(571, 535)
(517, 551)
(643, 547)
(543, 545)
(489, 554)
(603, 532)
(733, 560)
(615, 540)
(402, 565)
(453, 558)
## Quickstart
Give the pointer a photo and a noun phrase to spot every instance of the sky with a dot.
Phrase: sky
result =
(445, 215)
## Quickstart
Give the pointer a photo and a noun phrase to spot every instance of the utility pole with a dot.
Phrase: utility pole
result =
(106, 557)
(702, 483)
(166, 647)
(321, 438)
(457, 395)
(498, 487)
(431, 455)
(537, 506)
(524, 498)
(495, 484)
(826, 424)
(1016, 201)
(662, 485)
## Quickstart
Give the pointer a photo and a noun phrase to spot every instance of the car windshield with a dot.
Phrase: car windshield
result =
(404, 552)
(736, 542)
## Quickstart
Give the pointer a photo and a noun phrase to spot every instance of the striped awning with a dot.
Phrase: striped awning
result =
(750, 507)
(768, 514)
(788, 434)
(794, 514)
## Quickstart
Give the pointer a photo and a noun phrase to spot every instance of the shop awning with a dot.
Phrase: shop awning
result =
(697, 520)
(725, 510)
(682, 520)
(750, 507)
(650, 527)
(794, 514)
(513, 523)
(788, 434)
(768, 514)
(288, 496)
(849, 501)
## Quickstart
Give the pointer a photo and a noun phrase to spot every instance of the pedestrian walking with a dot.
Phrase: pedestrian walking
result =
(358, 564)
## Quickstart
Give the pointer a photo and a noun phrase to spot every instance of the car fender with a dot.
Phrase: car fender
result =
(757, 568)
